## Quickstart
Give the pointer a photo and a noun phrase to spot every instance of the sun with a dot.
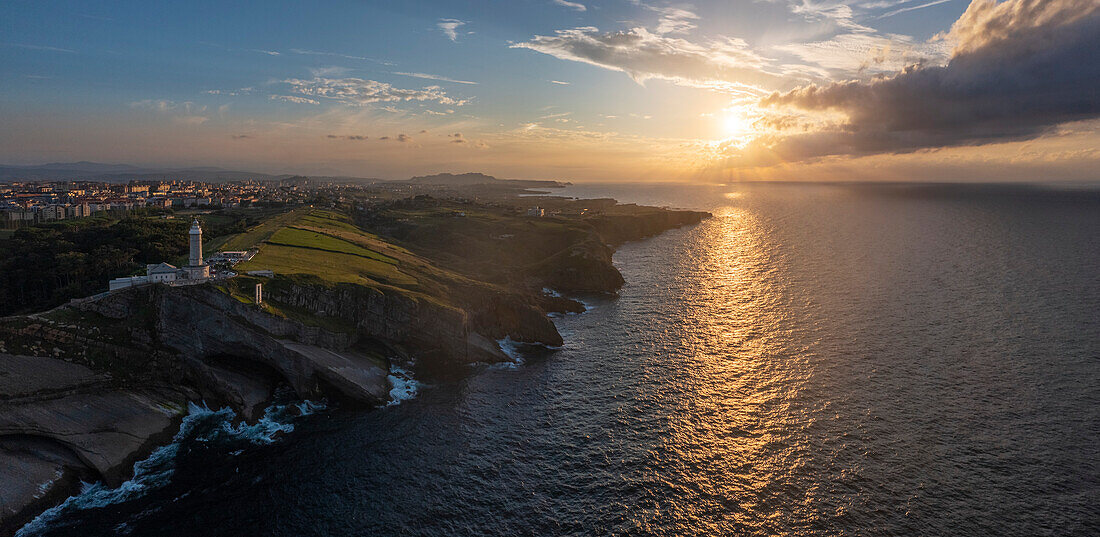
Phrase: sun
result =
(737, 123)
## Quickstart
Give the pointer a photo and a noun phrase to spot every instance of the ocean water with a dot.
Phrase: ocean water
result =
(814, 360)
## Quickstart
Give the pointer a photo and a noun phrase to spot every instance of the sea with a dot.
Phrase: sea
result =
(816, 359)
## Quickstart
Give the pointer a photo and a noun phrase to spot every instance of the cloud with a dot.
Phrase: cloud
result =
(457, 138)
(358, 91)
(268, 52)
(434, 77)
(1018, 69)
(912, 8)
(353, 137)
(233, 93)
(727, 63)
(294, 99)
(240, 136)
(571, 5)
(448, 26)
(190, 120)
(403, 138)
(559, 82)
(850, 54)
(185, 113)
(305, 52)
(987, 23)
(674, 20)
(42, 48)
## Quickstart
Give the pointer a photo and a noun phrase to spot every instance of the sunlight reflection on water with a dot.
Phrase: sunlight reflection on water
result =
(814, 360)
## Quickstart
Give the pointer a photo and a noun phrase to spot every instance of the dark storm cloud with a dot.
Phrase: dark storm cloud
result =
(1018, 69)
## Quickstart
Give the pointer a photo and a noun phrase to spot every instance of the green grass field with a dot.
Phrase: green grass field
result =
(255, 235)
(304, 238)
(316, 242)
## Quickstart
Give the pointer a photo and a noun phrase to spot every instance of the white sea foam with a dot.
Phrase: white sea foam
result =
(200, 424)
(306, 408)
(404, 386)
(511, 349)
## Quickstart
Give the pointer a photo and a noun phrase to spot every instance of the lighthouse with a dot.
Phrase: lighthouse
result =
(195, 267)
(196, 244)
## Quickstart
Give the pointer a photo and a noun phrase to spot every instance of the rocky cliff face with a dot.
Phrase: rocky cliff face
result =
(111, 378)
(616, 229)
(586, 267)
(61, 423)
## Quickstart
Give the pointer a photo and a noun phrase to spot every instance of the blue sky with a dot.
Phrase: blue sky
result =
(581, 90)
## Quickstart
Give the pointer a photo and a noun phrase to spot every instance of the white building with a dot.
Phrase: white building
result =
(129, 281)
(161, 273)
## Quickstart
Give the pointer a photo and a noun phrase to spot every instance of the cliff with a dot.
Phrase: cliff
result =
(91, 387)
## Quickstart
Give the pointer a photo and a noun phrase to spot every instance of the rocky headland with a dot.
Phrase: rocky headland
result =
(89, 388)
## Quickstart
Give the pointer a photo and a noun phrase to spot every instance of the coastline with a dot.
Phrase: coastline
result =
(176, 368)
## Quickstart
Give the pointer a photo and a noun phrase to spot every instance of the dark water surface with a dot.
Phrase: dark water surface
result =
(815, 360)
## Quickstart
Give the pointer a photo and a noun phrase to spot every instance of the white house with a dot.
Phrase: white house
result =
(161, 272)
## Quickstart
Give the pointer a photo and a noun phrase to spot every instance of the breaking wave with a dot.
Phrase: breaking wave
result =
(404, 386)
(201, 424)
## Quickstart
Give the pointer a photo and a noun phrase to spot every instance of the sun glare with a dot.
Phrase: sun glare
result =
(737, 125)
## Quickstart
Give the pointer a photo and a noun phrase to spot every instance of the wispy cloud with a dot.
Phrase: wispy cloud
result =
(674, 20)
(850, 54)
(41, 47)
(231, 93)
(450, 27)
(912, 8)
(294, 99)
(403, 138)
(262, 51)
(306, 52)
(560, 82)
(434, 77)
(187, 112)
(358, 91)
(571, 5)
(719, 64)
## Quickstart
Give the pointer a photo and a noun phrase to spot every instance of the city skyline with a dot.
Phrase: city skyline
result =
(946, 90)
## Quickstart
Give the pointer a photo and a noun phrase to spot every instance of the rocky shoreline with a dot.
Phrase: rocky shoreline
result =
(90, 388)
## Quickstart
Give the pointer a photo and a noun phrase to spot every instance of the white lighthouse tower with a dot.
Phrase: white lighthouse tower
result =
(195, 267)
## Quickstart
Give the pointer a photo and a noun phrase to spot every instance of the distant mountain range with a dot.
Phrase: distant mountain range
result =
(121, 173)
(466, 179)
